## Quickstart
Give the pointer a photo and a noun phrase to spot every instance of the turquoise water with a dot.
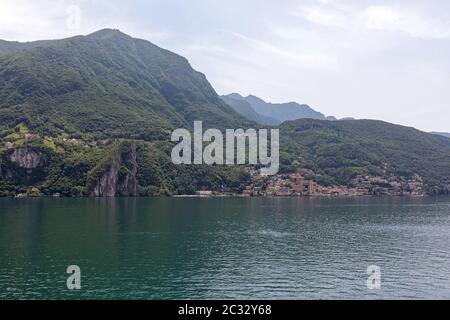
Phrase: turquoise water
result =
(162, 248)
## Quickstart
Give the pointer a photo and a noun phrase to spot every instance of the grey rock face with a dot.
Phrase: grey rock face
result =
(128, 185)
(120, 179)
(107, 185)
(27, 158)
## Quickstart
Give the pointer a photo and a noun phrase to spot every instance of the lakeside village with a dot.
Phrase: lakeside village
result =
(302, 183)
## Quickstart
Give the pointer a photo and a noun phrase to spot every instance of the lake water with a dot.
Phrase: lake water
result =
(163, 248)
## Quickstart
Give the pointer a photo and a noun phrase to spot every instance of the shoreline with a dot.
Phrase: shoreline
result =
(237, 197)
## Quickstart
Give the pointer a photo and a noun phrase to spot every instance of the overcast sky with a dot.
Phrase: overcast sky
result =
(387, 60)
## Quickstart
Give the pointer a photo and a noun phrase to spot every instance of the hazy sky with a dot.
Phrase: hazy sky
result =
(387, 60)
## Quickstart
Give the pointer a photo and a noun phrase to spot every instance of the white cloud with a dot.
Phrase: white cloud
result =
(411, 23)
(22, 20)
(295, 56)
(25, 20)
(321, 16)
(393, 18)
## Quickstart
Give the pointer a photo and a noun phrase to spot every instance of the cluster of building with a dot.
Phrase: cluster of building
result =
(281, 186)
(295, 184)
(392, 185)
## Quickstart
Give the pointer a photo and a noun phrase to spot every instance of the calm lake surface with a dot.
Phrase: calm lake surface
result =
(296, 248)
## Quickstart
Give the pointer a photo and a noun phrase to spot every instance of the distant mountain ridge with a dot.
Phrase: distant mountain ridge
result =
(272, 113)
(244, 108)
(442, 134)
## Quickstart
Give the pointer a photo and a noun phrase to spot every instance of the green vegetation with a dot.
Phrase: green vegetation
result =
(75, 171)
(81, 107)
(340, 150)
(106, 85)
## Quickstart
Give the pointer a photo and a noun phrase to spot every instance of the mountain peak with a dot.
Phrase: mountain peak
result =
(235, 95)
(255, 100)
(107, 33)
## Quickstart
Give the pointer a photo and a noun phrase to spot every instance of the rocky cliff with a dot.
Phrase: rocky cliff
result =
(27, 158)
(26, 165)
(119, 178)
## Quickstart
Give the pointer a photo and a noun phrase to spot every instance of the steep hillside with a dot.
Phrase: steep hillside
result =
(106, 84)
(81, 116)
(342, 149)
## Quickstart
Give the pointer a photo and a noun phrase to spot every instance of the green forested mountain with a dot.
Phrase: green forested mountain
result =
(69, 108)
(105, 84)
(92, 116)
(342, 149)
